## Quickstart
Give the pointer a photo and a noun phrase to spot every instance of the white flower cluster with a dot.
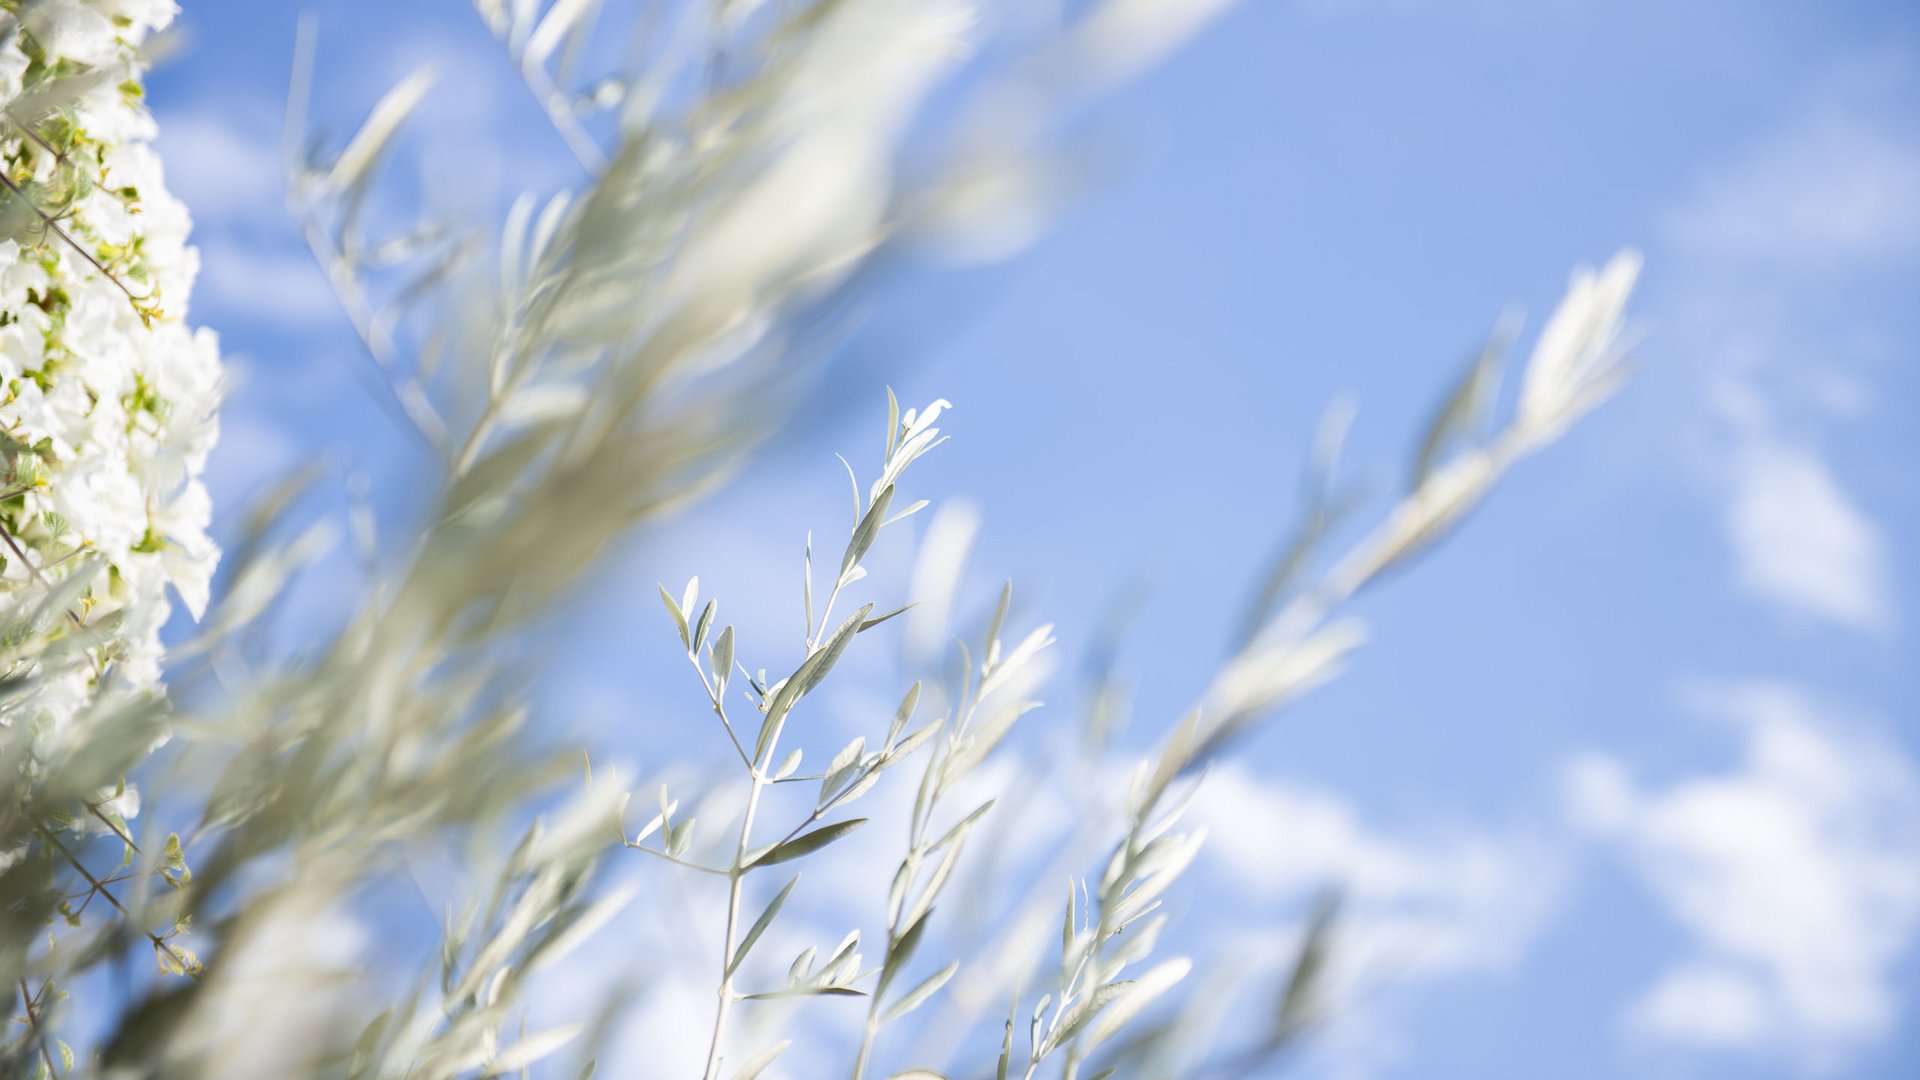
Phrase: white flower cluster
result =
(107, 398)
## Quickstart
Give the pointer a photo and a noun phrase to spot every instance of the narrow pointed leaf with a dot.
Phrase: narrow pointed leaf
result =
(918, 996)
(760, 925)
(808, 843)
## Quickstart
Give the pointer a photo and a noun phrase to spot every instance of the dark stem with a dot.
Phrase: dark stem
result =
(33, 1023)
(101, 888)
(50, 223)
(40, 580)
(43, 144)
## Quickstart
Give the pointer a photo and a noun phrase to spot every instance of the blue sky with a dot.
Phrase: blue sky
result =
(1631, 761)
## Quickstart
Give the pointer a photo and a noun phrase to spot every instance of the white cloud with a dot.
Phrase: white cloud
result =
(1770, 242)
(1704, 1004)
(224, 166)
(1418, 906)
(1415, 904)
(1832, 186)
(278, 285)
(1800, 542)
(1797, 874)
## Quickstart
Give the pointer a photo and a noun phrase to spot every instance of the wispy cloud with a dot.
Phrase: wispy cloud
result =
(224, 164)
(1830, 186)
(1797, 874)
(273, 284)
(1462, 882)
(1799, 541)
(1764, 240)
(1419, 905)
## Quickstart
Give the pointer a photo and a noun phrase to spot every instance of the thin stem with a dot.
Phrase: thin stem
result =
(916, 851)
(866, 1036)
(735, 875)
(100, 887)
(404, 392)
(34, 571)
(655, 852)
(33, 1024)
(27, 130)
(871, 1030)
(796, 830)
(826, 612)
(720, 710)
(48, 220)
(94, 809)
(561, 115)
(477, 438)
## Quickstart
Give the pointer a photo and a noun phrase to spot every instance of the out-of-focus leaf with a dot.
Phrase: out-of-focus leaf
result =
(351, 167)
(758, 1064)
(1463, 414)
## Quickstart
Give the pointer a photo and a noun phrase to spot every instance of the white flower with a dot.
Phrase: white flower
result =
(107, 399)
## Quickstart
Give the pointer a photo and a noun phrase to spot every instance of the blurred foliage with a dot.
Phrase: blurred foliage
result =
(605, 356)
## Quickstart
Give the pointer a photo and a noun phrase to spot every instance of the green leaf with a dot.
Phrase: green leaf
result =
(807, 991)
(801, 967)
(864, 533)
(862, 783)
(705, 623)
(679, 617)
(760, 925)
(1298, 1001)
(917, 506)
(871, 623)
(912, 742)
(1078, 1016)
(722, 661)
(806, 582)
(903, 713)
(532, 1049)
(679, 837)
(961, 827)
(554, 25)
(807, 676)
(841, 768)
(1463, 410)
(893, 422)
(918, 996)
(653, 824)
(999, 619)
(901, 951)
(351, 167)
(808, 843)
(1137, 995)
(1067, 926)
(1006, 1042)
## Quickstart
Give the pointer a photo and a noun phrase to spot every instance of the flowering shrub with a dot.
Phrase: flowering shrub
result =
(108, 407)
